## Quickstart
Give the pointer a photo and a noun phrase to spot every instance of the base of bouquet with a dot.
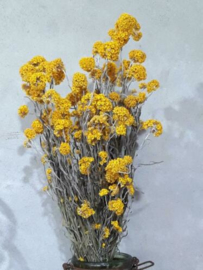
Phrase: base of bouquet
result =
(121, 261)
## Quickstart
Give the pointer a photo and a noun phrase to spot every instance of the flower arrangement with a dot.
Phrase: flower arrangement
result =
(88, 138)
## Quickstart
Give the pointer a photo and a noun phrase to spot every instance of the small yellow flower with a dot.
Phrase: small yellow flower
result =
(29, 133)
(103, 155)
(23, 111)
(97, 226)
(62, 200)
(106, 233)
(48, 173)
(64, 149)
(103, 192)
(115, 96)
(114, 189)
(45, 188)
(87, 63)
(43, 159)
(103, 245)
(37, 126)
(116, 226)
(116, 206)
(81, 259)
(152, 86)
(84, 165)
(85, 211)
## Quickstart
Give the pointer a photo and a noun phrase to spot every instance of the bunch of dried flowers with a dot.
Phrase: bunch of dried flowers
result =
(88, 138)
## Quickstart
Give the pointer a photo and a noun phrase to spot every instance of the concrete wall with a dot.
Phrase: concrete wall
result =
(167, 219)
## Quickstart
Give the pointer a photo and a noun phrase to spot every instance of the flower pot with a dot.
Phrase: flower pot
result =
(121, 261)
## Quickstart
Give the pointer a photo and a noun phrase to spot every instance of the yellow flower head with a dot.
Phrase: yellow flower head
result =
(97, 226)
(37, 126)
(156, 126)
(116, 168)
(45, 188)
(29, 133)
(137, 56)
(95, 73)
(64, 148)
(78, 135)
(116, 206)
(87, 63)
(44, 159)
(116, 226)
(130, 101)
(138, 72)
(80, 80)
(85, 211)
(103, 192)
(114, 189)
(121, 129)
(23, 111)
(106, 233)
(114, 96)
(109, 50)
(84, 165)
(152, 86)
(48, 173)
(103, 155)
(103, 245)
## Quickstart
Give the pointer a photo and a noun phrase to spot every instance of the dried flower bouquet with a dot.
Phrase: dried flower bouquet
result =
(88, 138)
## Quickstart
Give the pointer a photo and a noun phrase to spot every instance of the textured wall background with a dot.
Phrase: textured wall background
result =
(167, 219)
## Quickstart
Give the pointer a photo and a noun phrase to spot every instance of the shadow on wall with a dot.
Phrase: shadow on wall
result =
(10, 256)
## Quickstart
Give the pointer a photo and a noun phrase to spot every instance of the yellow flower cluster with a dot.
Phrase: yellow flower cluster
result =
(116, 168)
(131, 101)
(114, 96)
(108, 50)
(116, 206)
(114, 189)
(97, 226)
(84, 165)
(23, 111)
(48, 173)
(64, 148)
(123, 118)
(44, 159)
(116, 226)
(152, 86)
(29, 133)
(98, 128)
(106, 233)
(138, 72)
(37, 126)
(95, 73)
(126, 181)
(125, 27)
(87, 63)
(137, 56)
(85, 211)
(103, 192)
(86, 126)
(103, 155)
(37, 73)
(156, 126)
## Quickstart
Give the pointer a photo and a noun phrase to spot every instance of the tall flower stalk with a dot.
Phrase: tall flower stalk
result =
(88, 139)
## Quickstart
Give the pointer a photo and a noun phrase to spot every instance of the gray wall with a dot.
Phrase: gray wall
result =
(167, 218)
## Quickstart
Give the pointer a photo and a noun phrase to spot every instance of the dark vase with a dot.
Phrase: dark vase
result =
(121, 261)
